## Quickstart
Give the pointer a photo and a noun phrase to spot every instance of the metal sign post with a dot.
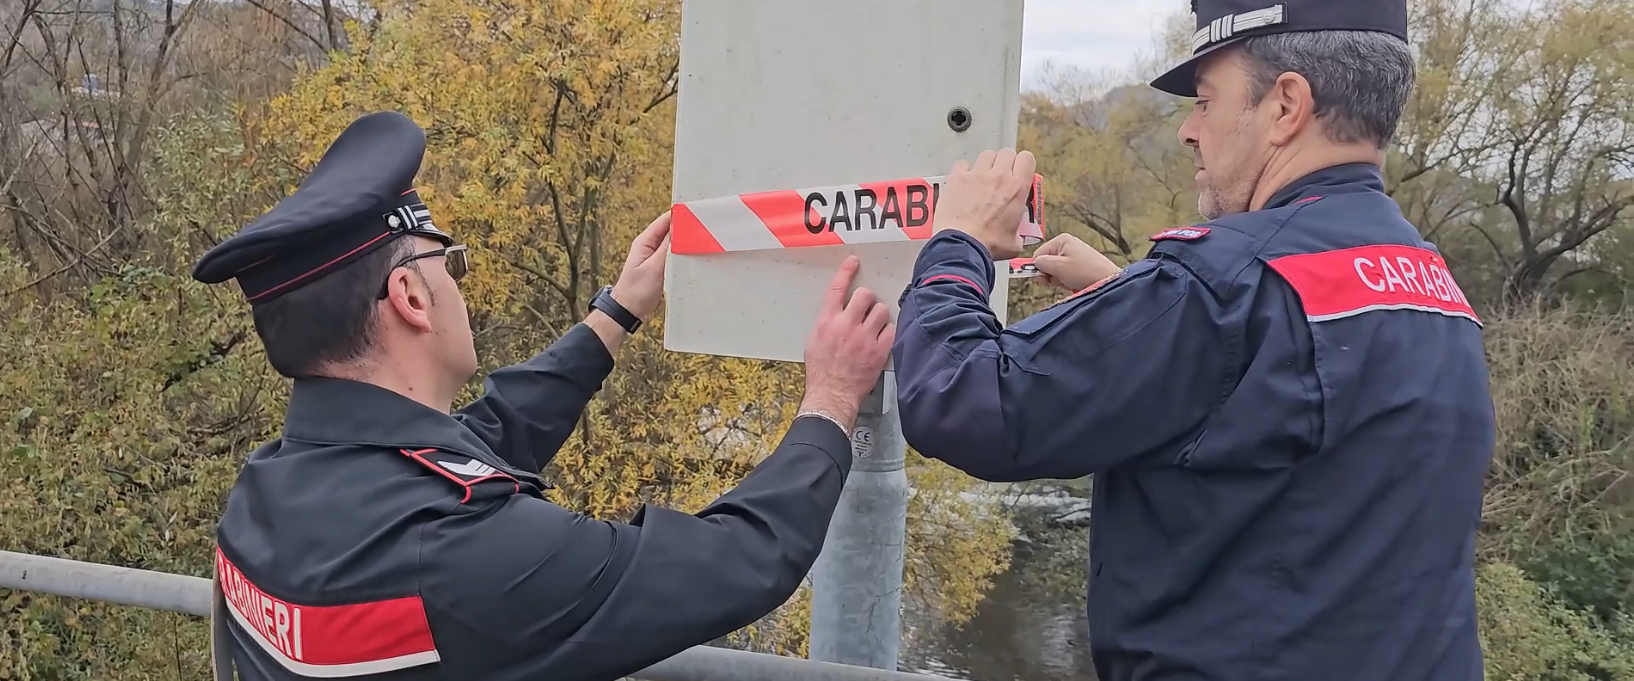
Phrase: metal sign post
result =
(857, 582)
(780, 95)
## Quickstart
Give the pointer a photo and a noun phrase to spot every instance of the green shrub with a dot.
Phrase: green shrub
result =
(1531, 634)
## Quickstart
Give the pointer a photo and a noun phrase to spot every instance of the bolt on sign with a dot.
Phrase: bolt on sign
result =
(785, 155)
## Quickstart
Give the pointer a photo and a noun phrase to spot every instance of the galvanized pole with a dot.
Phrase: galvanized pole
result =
(856, 600)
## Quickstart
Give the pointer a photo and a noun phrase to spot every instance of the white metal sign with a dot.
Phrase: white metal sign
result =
(779, 95)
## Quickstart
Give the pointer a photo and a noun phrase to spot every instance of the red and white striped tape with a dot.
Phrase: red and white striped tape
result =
(898, 210)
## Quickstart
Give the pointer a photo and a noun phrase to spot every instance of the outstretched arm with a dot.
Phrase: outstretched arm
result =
(582, 598)
(585, 599)
(1124, 372)
(528, 410)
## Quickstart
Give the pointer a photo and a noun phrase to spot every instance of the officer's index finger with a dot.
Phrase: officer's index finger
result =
(1055, 246)
(834, 299)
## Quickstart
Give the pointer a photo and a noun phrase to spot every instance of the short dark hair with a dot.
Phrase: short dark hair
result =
(329, 321)
(1359, 79)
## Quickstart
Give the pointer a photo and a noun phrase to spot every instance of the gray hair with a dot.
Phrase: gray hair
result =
(1360, 80)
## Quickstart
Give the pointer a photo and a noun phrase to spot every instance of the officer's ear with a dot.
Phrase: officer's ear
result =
(409, 297)
(1292, 108)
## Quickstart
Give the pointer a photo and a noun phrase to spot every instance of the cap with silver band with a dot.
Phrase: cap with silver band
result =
(1224, 22)
(358, 198)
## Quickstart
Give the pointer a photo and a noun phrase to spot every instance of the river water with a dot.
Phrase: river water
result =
(1022, 631)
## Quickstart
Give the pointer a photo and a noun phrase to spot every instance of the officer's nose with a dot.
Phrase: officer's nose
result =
(1188, 131)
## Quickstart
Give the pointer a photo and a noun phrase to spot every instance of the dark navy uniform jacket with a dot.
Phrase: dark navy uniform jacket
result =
(1287, 417)
(382, 539)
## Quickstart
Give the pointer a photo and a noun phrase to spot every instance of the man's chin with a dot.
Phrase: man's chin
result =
(1208, 209)
(1212, 205)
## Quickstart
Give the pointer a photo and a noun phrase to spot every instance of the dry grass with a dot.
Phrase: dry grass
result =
(1563, 390)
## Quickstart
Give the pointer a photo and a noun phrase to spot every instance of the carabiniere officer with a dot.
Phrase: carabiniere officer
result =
(1284, 406)
(385, 535)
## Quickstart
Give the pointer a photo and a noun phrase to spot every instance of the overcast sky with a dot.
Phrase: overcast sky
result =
(1092, 34)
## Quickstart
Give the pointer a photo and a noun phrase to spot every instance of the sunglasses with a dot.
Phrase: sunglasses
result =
(454, 260)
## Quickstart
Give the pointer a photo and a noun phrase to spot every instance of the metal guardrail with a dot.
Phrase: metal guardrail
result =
(191, 596)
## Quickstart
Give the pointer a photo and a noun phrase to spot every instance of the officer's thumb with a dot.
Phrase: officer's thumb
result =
(1051, 264)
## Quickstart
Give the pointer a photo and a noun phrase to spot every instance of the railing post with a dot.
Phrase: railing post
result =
(106, 583)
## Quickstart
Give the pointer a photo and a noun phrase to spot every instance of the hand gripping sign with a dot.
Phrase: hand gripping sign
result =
(897, 210)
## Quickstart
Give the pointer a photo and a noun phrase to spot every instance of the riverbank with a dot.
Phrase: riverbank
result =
(1032, 625)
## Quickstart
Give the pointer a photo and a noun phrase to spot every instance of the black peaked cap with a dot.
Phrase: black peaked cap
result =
(1224, 22)
(358, 198)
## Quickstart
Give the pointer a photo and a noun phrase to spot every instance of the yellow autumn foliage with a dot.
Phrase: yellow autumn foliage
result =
(129, 393)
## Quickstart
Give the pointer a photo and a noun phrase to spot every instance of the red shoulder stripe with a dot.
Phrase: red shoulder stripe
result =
(1353, 281)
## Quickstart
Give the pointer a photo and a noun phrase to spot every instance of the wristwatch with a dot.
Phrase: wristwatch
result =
(603, 300)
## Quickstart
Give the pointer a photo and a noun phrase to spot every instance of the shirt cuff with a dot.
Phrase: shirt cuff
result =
(824, 434)
(954, 256)
(588, 360)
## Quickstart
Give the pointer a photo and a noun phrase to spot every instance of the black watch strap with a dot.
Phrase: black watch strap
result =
(603, 300)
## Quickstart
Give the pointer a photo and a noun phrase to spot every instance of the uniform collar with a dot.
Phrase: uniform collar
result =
(337, 411)
(1347, 178)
